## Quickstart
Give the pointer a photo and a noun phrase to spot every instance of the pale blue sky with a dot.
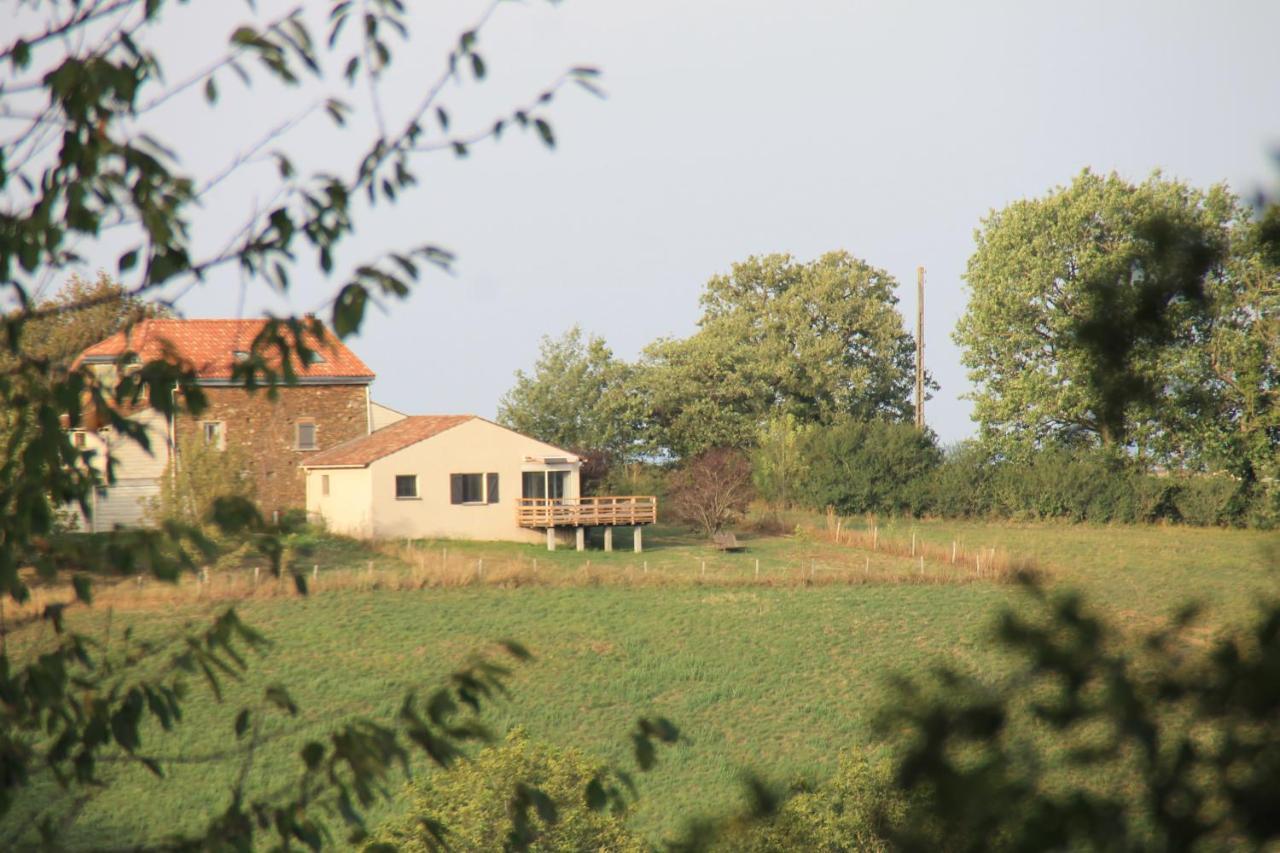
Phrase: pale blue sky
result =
(739, 127)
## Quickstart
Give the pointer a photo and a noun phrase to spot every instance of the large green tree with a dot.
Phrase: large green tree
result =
(1225, 380)
(1124, 315)
(818, 340)
(577, 396)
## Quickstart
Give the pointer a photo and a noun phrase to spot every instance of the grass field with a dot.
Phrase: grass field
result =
(775, 675)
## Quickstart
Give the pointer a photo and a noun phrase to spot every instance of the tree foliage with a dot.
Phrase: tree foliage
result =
(1128, 315)
(778, 465)
(86, 169)
(1095, 740)
(576, 397)
(712, 490)
(868, 466)
(189, 492)
(476, 808)
(816, 340)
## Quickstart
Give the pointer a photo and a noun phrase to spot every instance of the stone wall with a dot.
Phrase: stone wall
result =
(266, 431)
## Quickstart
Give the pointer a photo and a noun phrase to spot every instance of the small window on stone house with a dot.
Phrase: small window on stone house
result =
(78, 439)
(214, 433)
(305, 435)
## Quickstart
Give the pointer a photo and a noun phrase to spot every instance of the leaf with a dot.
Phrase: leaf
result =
(84, 588)
(516, 650)
(312, 754)
(595, 795)
(477, 66)
(278, 696)
(210, 91)
(127, 261)
(544, 131)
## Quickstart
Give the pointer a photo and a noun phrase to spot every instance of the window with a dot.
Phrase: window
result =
(406, 486)
(215, 434)
(77, 438)
(543, 484)
(533, 484)
(473, 488)
(305, 435)
(324, 484)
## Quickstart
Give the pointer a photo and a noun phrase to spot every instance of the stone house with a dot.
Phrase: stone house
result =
(328, 405)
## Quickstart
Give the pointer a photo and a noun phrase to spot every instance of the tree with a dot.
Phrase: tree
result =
(85, 169)
(1225, 382)
(778, 466)
(189, 492)
(868, 466)
(712, 490)
(816, 340)
(576, 397)
(1082, 303)
(79, 315)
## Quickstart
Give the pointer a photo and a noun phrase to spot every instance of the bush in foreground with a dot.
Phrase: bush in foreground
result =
(474, 807)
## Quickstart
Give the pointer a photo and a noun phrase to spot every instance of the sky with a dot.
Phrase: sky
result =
(731, 128)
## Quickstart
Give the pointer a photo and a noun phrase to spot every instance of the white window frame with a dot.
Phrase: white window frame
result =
(222, 434)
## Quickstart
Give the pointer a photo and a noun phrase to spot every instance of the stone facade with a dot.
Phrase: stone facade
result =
(266, 431)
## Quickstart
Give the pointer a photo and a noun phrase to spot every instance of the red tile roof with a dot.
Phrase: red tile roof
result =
(383, 442)
(210, 346)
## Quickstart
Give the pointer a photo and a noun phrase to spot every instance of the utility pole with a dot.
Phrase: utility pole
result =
(920, 348)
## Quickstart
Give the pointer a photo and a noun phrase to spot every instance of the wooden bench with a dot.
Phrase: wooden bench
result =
(726, 542)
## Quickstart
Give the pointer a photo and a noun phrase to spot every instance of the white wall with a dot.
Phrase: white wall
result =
(475, 447)
(347, 508)
(138, 472)
(381, 416)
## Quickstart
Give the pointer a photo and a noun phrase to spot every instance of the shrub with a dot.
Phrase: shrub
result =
(1210, 501)
(960, 487)
(474, 802)
(850, 811)
(203, 474)
(712, 490)
(869, 466)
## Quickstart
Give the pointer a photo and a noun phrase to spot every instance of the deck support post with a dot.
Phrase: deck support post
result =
(608, 538)
(551, 538)
(638, 540)
(582, 538)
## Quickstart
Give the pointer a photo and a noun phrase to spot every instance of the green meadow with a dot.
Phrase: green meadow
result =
(773, 676)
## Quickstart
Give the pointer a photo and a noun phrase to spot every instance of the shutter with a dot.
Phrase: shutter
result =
(491, 488)
(455, 488)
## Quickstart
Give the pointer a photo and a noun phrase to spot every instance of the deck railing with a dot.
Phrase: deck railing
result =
(586, 512)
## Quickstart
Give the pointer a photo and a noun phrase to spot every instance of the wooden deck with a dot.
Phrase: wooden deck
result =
(630, 510)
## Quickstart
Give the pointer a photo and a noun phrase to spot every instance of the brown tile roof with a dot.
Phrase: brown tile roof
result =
(383, 442)
(210, 347)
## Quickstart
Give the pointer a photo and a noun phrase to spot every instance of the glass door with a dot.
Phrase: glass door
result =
(533, 484)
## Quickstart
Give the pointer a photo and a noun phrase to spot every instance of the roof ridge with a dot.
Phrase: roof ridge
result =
(386, 440)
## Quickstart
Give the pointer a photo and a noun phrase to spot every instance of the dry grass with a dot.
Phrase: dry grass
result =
(406, 566)
(993, 564)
